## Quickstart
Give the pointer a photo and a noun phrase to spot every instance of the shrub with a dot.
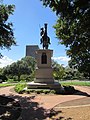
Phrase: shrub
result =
(19, 87)
(30, 78)
(11, 81)
(3, 78)
(15, 78)
(28, 91)
(39, 91)
(53, 92)
(46, 91)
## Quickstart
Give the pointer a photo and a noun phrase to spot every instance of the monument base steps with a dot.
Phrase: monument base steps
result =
(53, 86)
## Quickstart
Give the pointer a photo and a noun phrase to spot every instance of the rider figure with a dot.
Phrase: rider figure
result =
(45, 40)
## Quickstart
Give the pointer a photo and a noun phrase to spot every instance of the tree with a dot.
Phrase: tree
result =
(73, 30)
(6, 32)
(24, 66)
(58, 71)
(72, 74)
(3, 78)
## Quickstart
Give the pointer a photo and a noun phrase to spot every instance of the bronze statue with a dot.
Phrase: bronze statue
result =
(45, 40)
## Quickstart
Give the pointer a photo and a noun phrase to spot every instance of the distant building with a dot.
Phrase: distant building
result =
(30, 50)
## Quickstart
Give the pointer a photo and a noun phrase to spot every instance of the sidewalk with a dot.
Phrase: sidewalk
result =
(47, 101)
(45, 107)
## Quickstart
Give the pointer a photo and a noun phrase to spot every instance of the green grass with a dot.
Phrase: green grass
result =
(79, 83)
(6, 84)
(66, 83)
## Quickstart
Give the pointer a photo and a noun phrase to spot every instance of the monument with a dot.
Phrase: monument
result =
(44, 72)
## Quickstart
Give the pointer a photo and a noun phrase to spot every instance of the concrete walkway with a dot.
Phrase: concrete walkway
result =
(45, 101)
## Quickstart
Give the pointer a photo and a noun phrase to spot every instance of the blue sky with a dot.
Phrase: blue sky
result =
(27, 19)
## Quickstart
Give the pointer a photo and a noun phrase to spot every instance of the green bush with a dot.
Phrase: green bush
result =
(27, 78)
(30, 78)
(39, 91)
(11, 81)
(53, 92)
(28, 91)
(15, 78)
(46, 91)
(23, 77)
(19, 87)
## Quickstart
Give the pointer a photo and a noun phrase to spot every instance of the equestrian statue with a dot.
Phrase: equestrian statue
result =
(45, 40)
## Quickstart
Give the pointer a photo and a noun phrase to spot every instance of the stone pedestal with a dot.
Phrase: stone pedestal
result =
(43, 76)
(44, 70)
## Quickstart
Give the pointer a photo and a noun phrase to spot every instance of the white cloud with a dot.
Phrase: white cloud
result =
(5, 61)
(61, 58)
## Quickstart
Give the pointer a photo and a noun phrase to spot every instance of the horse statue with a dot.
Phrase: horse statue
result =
(45, 40)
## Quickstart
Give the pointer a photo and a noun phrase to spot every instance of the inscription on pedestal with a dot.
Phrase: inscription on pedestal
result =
(44, 58)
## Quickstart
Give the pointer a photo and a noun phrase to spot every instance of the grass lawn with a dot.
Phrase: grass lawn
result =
(6, 84)
(75, 82)
(66, 83)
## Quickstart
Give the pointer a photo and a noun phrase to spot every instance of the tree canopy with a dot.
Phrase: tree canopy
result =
(58, 70)
(6, 31)
(73, 30)
(24, 66)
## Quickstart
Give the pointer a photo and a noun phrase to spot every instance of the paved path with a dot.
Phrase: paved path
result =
(83, 89)
(45, 101)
